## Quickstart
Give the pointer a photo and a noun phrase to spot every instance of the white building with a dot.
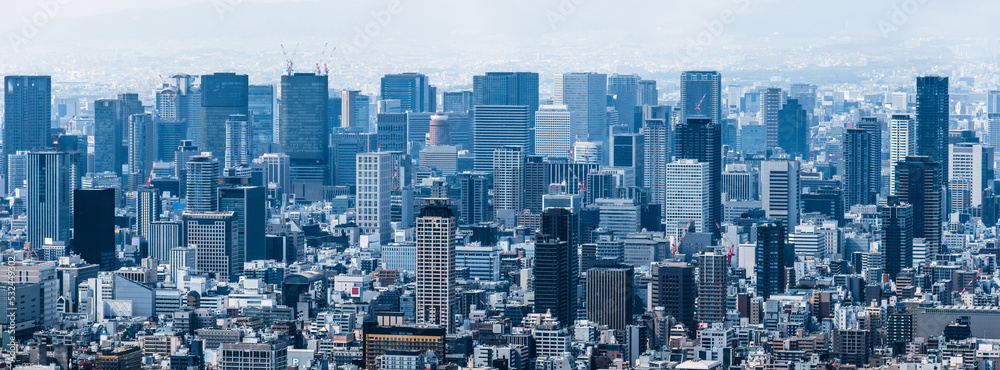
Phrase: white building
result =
(555, 129)
(967, 163)
(508, 179)
(374, 194)
(687, 197)
(902, 141)
(779, 190)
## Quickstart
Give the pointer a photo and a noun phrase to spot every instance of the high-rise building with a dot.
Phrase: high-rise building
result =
(902, 144)
(873, 126)
(276, 177)
(656, 144)
(625, 89)
(354, 110)
(554, 131)
(475, 204)
(857, 168)
(109, 121)
(374, 188)
(688, 197)
(94, 232)
(239, 140)
(701, 139)
(770, 104)
(411, 89)
(780, 190)
(260, 103)
(585, 94)
(457, 101)
(439, 131)
(557, 268)
(971, 172)
(932, 120)
(48, 200)
(793, 129)
(993, 102)
(701, 97)
(627, 150)
(672, 286)
(202, 183)
(610, 293)
(222, 95)
(436, 287)
(648, 94)
(141, 147)
(508, 180)
(17, 171)
(181, 102)
(713, 271)
(168, 136)
(215, 235)
(897, 235)
(919, 183)
(303, 132)
(148, 207)
(250, 214)
(27, 115)
(496, 126)
(770, 256)
(164, 236)
(392, 136)
(507, 88)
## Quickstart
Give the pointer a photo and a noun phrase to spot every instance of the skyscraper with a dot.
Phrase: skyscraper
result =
(932, 120)
(457, 101)
(780, 190)
(507, 88)
(770, 259)
(27, 115)
(625, 89)
(249, 213)
(902, 144)
(239, 139)
(215, 236)
(508, 181)
(919, 184)
(303, 133)
(392, 136)
(873, 126)
(181, 102)
(475, 187)
(94, 231)
(411, 89)
(672, 286)
(701, 97)
(202, 183)
(585, 94)
(108, 125)
(354, 112)
(48, 200)
(495, 126)
(260, 103)
(897, 235)
(148, 208)
(222, 95)
(648, 94)
(656, 134)
(436, 287)
(627, 150)
(610, 293)
(770, 104)
(374, 188)
(993, 102)
(141, 148)
(793, 129)
(857, 167)
(554, 131)
(713, 270)
(688, 197)
(701, 139)
(971, 172)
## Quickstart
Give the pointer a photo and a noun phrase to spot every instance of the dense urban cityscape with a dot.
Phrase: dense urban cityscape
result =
(821, 208)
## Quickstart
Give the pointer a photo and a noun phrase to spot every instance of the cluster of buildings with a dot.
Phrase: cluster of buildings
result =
(608, 226)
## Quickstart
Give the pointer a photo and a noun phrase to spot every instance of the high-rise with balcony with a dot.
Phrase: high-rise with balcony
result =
(436, 289)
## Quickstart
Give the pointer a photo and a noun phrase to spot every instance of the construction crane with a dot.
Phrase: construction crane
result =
(674, 246)
(149, 177)
(288, 59)
(978, 275)
(697, 107)
(729, 252)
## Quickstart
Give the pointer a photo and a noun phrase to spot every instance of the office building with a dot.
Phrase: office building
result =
(374, 188)
(780, 190)
(163, 237)
(181, 102)
(770, 105)
(672, 287)
(411, 89)
(971, 172)
(712, 274)
(496, 126)
(239, 136)
(457, 101)
(506, 88)
(701, 97)
(17, 171)
(657, 146)
(436, 287)
(586, 95)
(857, 171)
(202, 183)
(688, 197)
(303, 134)
(902, 144)
(141, 148)
(648, 94)
(919, 183)
(94, 232)
(793, 129)
(27, 115)
(260, 103)
(897, 235)
(49, 197)
(147, 210)
(555, 131)
(392, 136)
(628, 150)
(508, 180)
(109, 126)
(222, 95)
(439, 131)
(215, 235)
(253, 356)
(625, 90)
(354, 110)
(249, 211)
(610, 295)
(932, 120)
(474, 200)
(873, 126)
(771, 257)
(701, 140)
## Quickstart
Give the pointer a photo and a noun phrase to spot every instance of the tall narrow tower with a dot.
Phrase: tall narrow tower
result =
(436, 226)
